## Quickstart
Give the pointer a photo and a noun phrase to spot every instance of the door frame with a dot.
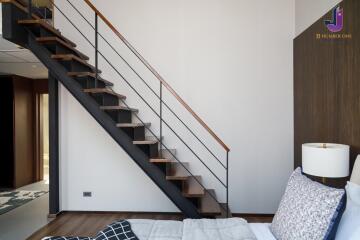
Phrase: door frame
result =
(40, 86)
(54, 203)
(50, 87)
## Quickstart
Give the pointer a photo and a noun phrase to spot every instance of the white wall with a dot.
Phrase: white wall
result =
(231, 60)
(309, 11)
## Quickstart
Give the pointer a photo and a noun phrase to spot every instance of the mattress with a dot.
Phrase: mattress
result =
(173, 230)
(262, 231)
(191, 229)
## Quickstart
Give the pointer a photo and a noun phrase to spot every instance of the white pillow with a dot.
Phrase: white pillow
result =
(356, 235)
(355, 176)
(350, 221)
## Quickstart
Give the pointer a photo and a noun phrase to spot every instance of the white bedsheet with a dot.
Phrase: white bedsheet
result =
(155, 230)
(262, 231)
(173, 230)
(192, 229)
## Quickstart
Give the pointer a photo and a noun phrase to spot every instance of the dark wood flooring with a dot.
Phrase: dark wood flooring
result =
(88, 224)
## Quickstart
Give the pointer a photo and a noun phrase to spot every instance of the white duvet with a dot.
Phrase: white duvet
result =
(193, 229)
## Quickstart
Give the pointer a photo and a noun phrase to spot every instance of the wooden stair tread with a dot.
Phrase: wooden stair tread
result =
(145, 142)
(71, 57)
(47, 26)
(192, 188)
(178, 172)
(104, 90)
(161, 160)
(58, 40)
(113, 108)
(208, 205)
(89, 74)
(132, 124)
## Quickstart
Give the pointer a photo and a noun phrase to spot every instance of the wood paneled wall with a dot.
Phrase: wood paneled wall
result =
(327, 84)
(19, 128)
(24, 131)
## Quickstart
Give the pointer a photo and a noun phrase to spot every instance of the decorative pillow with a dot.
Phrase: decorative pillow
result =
(67, 238)
(350, 221)
(120, 230)
(308, 210)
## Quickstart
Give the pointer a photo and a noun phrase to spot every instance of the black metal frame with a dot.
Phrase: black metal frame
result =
(54, 192)
(161, 103)
(140, 158)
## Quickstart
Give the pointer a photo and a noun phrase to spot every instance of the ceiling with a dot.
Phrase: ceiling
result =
(19, 61)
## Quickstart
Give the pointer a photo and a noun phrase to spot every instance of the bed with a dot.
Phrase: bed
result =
(219, 229)
(174, 230)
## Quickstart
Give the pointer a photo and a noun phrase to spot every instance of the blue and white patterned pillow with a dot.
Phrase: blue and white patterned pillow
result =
(119, 230)
(67, 238)
(308, 210)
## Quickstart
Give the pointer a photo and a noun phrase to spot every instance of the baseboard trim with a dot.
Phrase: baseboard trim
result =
(54, 215)
(242, 215)
(253, 215)
(120, 212)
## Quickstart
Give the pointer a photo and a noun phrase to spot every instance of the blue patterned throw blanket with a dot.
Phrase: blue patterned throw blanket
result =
(120, 230)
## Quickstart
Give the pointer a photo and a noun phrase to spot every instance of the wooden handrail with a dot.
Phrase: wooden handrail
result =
(157, 75)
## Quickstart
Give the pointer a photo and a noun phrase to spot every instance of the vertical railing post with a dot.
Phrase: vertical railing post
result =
(161, 119)
(30, 9)
(96, 51)
(227, 184)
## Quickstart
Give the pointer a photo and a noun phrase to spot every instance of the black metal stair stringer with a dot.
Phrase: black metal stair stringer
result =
(140, 158)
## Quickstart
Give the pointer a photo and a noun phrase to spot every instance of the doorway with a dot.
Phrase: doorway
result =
(24, 168)
(43, 135)
(41, 128)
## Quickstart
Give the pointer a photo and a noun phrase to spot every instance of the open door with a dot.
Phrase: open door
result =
(42, 135)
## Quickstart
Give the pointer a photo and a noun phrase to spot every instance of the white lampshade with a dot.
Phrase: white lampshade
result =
(327, 160)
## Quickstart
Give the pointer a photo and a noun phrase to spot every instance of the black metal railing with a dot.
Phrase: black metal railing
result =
(159, 96)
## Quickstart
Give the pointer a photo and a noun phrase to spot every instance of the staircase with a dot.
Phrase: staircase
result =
(23, 25)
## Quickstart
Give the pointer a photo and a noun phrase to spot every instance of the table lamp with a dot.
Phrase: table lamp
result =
(325, 160)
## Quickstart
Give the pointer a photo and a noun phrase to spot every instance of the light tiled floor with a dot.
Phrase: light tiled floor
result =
(21, 222)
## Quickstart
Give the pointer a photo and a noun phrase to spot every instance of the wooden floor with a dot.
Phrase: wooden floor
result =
(88, 224)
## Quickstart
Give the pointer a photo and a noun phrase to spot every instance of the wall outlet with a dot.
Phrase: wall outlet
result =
(87, 194)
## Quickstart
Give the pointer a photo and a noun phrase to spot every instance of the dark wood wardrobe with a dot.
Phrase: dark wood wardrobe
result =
(18, 163)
